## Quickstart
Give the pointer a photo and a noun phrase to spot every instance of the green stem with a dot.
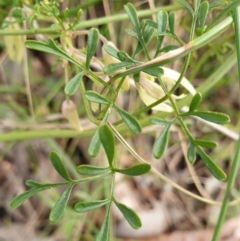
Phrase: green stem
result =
(87, 179)
(187, 60)
(86, 104)
(236, 160)
(90, 23)
(232, 176)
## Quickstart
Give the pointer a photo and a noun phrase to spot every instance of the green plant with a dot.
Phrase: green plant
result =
(151, 80)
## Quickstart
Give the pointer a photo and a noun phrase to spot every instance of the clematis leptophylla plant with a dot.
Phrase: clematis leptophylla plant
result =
(149, 91)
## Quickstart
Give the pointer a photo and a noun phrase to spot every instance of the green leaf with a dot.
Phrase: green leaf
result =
(95, 97)
(191, 154)
(196, 5)
(159, 121)
(215, 117)
(103, 234)
(94, 145)
(82, 207)
(187, 6)
(73, 84)
(111, 68)
(155, 71)
(107, 140)
(58, 165)
(58, 209)
(169, 48)
(172, 20)
(161, 143)
(195, 102)
(205, 143)
(33, 184)
(202, 14)
(136, 170)
(130, 120)
(212, 167)
(225, 11)
(17, 201)
(129, 215)
(216, 4)
(92, 170)
(131, 32)
(77, 19)
(147, 34)
(126, 58)
(111, 50)
(132, 14)
(51, 48)
(92, 42)
(162, 21)
(136, 77)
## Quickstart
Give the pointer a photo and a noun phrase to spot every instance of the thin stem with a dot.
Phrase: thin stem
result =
(187, 60)
(87, 179)
(236, 160)
(232, 177)
(26, 79)
(158, 174)
(86, 104)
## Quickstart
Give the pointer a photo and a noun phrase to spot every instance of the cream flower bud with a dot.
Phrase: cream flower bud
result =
(69, 111)
(14, 44)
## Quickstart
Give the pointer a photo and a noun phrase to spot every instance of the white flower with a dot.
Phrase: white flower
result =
(69, 111)
(150, 92)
